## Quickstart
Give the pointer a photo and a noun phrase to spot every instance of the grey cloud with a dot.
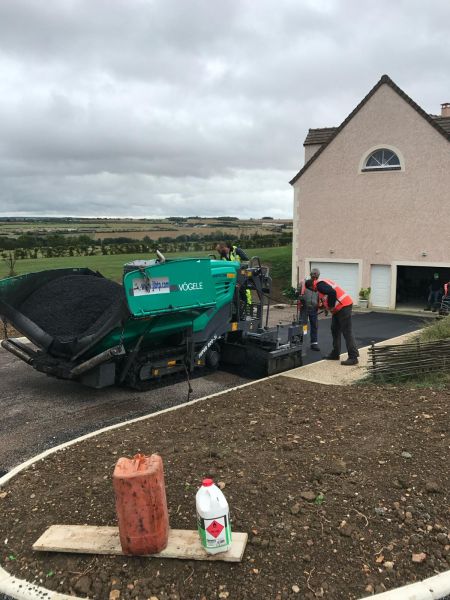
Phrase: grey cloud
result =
(189, 107)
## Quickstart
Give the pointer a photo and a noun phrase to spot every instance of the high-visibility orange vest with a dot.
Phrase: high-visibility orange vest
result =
(446, 288)
(342, 298)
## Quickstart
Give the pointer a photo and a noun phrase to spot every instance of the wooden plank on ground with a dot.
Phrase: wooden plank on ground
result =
(88, 539)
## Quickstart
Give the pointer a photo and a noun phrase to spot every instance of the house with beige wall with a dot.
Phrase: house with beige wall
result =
(372, 201)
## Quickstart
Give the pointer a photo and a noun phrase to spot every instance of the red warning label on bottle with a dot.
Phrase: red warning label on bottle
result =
(215, 528)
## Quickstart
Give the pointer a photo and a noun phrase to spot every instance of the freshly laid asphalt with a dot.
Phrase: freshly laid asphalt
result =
(38, 412)
(368, 327)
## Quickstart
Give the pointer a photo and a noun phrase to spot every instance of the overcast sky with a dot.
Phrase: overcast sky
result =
(193, 107)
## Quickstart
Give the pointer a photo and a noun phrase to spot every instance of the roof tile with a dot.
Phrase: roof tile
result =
(443, 122)
(319, 135)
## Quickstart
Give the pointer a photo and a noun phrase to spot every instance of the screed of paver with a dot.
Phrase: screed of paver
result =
(331, 372)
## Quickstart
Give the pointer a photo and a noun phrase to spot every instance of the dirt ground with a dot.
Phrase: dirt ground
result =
(343, 491)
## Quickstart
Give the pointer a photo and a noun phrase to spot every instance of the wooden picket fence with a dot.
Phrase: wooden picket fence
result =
(408, 360)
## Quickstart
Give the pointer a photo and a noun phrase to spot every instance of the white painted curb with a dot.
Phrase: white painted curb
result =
(433, 588)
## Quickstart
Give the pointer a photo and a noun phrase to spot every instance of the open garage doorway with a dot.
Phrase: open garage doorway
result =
(413, 285)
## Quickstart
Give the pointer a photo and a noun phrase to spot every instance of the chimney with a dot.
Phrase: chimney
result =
(445, 109)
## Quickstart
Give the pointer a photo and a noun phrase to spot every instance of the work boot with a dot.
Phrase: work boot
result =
(349, 362)
(332, 357)
(315, 347)
(427, 308)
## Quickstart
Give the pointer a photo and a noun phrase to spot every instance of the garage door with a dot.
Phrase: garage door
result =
(380, 282)
(345, 274)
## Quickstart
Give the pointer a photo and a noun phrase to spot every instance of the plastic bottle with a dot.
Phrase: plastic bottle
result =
(213, 518)
(141, 504)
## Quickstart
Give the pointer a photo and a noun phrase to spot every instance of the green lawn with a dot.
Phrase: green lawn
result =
(111, 266)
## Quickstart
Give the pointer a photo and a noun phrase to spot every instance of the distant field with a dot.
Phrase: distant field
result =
(136, 229)
(111, 266)
(154, 234)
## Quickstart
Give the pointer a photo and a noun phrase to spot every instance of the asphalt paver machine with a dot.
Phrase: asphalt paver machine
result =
(168, 316)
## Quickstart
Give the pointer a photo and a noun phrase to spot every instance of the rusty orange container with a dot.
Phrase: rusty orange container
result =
(141, 504)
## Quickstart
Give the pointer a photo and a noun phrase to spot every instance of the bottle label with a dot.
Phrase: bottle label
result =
(214, 533)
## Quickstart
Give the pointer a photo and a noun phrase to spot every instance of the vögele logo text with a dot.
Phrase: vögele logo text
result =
(189, 286)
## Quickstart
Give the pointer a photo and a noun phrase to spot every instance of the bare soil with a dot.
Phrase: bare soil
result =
(343, 491)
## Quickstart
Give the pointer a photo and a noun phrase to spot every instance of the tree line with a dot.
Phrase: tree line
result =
(59, 246)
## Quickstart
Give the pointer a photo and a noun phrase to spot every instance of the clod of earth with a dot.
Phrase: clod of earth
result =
(432, 487)
(308, 495)
(83, 585)
(295, 508)
(338, 467)
(345, 529)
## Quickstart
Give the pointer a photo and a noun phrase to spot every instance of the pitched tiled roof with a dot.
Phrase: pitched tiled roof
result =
(441, 124)
(319, 136)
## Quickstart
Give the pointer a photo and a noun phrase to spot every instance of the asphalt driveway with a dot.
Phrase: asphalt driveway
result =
(368, 327)
(38, 412)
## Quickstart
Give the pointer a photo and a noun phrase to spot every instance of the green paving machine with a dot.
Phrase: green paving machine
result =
(168, 316)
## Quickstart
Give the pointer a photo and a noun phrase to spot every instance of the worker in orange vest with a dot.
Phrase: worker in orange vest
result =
(340, 304)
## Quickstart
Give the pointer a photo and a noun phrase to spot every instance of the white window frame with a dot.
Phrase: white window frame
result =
(362, 169)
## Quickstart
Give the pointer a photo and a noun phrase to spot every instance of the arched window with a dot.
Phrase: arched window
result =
(382, 160)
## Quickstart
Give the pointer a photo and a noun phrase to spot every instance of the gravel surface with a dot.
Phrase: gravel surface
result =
(341, 497)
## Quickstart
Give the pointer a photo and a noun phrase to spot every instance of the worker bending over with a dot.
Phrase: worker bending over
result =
(229, 252)
(340, 304)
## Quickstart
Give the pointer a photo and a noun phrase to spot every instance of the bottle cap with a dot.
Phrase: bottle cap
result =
(207, 482)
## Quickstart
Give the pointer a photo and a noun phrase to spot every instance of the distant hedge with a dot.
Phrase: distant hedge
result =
(193, 243)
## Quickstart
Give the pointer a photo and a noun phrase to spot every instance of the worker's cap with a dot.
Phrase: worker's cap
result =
(315, 272)
(309, 284)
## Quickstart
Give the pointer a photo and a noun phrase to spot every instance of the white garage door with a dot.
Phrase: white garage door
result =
(380, 282)
(344, 274)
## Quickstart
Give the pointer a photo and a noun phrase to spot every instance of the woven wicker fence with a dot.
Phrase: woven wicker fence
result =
(408, 360)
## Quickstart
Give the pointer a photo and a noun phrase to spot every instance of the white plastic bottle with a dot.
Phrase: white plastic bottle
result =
(213, 518)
